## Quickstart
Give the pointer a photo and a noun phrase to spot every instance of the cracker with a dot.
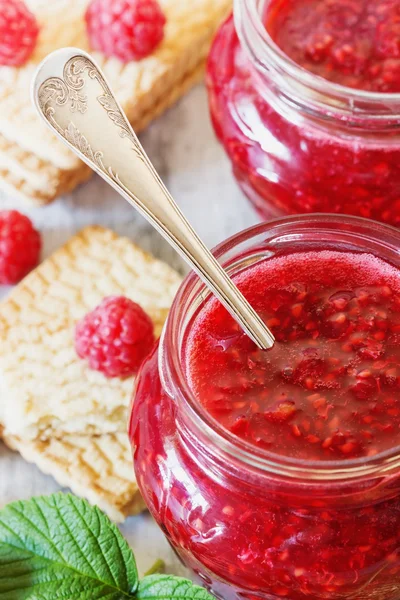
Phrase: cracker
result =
(98, 468)
(26, 176)
(145, 88)
(49, 391)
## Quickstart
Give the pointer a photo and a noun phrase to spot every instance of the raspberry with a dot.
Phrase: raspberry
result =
(127, 29)
(18, 32)
(20, 246)
(115, 337)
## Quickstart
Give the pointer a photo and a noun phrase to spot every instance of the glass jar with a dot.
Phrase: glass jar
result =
(299, 143)
(248, 522)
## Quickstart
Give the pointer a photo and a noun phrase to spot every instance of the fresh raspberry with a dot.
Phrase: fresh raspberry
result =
(127, 29)
(20, 246)
(115, 337)
(18, 32)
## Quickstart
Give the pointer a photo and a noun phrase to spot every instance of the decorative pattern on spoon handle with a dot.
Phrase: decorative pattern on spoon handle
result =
(70, 90)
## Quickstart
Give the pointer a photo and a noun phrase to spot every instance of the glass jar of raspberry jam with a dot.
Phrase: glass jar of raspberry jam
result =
(305, 97)
(276, 474)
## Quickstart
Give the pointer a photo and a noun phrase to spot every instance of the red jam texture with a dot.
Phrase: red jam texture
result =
(329, 389)
(283, 161)
(253, 536)
(355, 43)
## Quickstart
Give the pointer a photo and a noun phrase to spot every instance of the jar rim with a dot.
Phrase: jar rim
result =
(175, 383)
(261, 43)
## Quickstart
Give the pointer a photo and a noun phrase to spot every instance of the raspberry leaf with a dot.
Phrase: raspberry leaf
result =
(58, 547)
(168, 587)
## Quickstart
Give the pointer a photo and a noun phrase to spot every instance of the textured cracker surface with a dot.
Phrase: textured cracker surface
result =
(98, 468)
(145, 89)
(48, 390)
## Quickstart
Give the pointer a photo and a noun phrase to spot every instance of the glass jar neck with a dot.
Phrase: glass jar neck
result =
(300, 91)
(241, 252)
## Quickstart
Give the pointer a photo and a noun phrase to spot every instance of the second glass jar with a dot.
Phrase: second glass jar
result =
(299, 143)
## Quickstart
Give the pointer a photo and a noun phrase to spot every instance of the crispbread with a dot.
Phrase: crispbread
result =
(25, 176)
(98, 468)
(50, 392)
(145, 88)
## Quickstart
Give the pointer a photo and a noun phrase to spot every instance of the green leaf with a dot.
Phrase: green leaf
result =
(168, 587)
(60, 548)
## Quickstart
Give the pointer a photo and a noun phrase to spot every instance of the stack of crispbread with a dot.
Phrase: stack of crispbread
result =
(68, 420)
(33, 163)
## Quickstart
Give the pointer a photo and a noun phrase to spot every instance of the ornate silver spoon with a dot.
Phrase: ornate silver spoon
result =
(73, 97)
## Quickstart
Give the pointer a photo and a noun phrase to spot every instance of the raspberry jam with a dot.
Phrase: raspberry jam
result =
(304, 105)
(355, 43)
(329, 389)
(276, 474)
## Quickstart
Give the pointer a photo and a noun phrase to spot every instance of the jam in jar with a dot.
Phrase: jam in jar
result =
(305, 97)
(276, 473)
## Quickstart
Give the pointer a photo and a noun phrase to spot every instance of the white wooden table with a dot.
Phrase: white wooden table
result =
(195, 169)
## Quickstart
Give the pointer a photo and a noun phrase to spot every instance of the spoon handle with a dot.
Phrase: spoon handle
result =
(73, 97)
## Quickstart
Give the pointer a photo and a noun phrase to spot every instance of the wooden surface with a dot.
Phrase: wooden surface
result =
(195, 169)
